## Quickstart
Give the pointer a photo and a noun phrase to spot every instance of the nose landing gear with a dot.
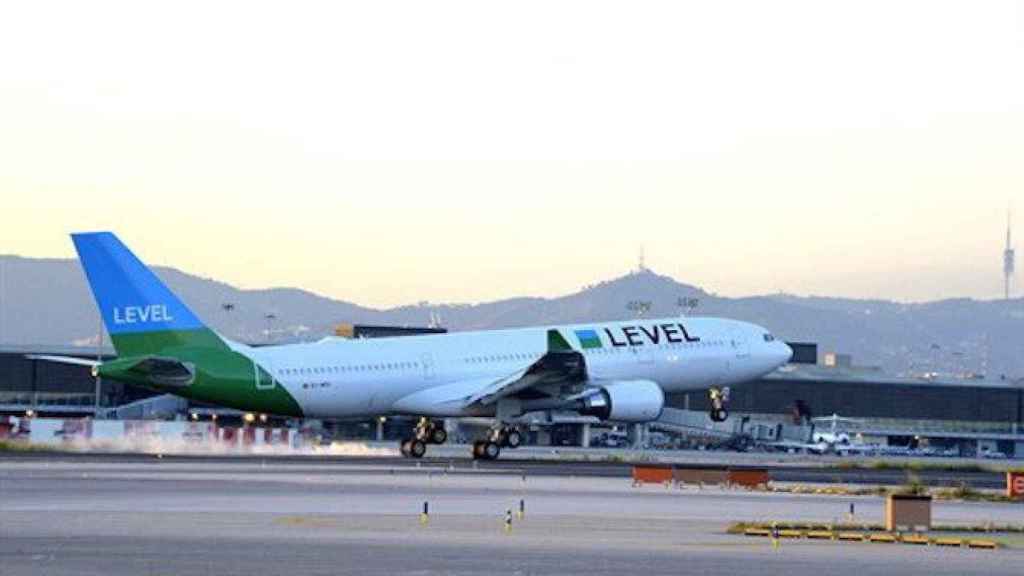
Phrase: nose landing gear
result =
(719, 398)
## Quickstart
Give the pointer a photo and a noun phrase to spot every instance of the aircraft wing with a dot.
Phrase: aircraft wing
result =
(560, 365)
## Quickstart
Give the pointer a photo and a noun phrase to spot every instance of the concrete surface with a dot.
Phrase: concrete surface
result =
(199, 517)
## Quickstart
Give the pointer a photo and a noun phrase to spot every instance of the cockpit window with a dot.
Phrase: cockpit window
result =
(769, 338)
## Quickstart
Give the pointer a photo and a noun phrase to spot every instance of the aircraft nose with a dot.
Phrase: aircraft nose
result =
(785, 353)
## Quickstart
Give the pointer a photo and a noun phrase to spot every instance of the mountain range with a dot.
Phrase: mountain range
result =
(47, 302)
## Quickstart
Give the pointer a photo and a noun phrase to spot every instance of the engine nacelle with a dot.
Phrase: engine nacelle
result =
(625, 401)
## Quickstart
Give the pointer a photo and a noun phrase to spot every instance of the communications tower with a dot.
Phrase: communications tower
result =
(1009, 259)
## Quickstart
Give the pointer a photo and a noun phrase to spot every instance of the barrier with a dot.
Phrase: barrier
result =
(248, 436)
(700, 476)
(652, 474)
(1015, 485)
(874, 537)
(6, 427)
(141, 429)
(160, 435)
(749, 478)
(915, 539)
(200, 432)
(229, 436)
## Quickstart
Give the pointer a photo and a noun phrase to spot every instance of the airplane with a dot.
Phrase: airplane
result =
(614, 371)
(831, 441)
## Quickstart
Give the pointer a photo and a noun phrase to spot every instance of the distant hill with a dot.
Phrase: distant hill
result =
(47, 302)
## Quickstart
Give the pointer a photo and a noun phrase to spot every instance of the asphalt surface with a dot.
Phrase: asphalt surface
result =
(781, 470)
(129, 515)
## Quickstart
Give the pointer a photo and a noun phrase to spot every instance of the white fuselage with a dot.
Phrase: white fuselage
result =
(338, 377)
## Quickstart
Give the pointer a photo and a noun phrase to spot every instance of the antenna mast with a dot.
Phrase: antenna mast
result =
(1009, 257)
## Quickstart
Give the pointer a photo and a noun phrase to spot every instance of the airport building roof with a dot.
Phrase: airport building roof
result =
(871, 376)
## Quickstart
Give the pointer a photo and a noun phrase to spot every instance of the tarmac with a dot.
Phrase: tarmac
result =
(606, 463)
(61, 515)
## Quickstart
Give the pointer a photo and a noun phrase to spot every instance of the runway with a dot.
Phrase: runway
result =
(167, 516)
(536, 462)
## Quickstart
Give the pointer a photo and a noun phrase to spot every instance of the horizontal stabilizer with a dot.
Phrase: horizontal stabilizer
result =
(64, 360)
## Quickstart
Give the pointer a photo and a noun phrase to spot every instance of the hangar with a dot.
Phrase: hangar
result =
(813, 390)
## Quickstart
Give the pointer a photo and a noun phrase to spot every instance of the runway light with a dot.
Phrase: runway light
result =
(263, 418)
(30, 414)
(213, 417)
(249, 417)
(195, 416)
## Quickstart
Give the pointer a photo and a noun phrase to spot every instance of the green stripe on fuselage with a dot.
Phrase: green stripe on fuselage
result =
(223, 377)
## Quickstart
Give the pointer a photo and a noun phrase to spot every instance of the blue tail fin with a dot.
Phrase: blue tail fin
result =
(131, 299)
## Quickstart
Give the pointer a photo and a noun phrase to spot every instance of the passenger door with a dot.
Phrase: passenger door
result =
(264, 377)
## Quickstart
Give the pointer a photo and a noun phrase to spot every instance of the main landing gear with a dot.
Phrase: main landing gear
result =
(719, 398)
(498, 438)
(427, 431)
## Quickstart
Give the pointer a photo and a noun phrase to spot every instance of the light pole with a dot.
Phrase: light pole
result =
(3, 295)
(99, 360)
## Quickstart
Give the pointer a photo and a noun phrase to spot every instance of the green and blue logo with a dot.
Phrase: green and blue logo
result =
(588, 339)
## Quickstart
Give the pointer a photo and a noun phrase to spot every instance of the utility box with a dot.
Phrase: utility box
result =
(1015, 485)
(908, 513)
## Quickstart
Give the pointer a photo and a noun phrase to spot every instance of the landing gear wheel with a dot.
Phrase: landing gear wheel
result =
(491, 450)
(438, 435)
(719, 415)
(513, 439)
(417, 448)
(404, 448)
(430, 431)
(486, 450)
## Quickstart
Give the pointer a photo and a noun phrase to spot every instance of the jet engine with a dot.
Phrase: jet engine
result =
(624, 401)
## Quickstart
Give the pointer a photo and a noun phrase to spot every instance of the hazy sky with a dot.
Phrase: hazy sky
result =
(391, 152)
